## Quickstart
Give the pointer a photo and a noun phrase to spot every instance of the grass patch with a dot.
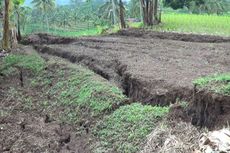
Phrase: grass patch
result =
(199, 24)
(192, 23)
(125, 130)
(219, 83)
(12, 62)
(74, 85)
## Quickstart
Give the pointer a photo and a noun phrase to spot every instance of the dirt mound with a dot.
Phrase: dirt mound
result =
(172, 36)
(44, 38)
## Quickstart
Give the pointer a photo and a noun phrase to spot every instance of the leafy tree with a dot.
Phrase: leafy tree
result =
(135, 9)
(18, 10)
(214, 7)
(63, 16)
(176, 4)
(44, 6)
(24, 16)
(110, 10)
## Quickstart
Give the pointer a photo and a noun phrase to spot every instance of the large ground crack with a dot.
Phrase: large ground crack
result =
(150, 67)
(116, 72)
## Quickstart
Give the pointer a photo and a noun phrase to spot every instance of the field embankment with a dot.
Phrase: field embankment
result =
(49, 104)
(147, 69)
(151, 67)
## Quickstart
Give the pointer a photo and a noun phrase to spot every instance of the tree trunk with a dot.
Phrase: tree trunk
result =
(150, 13)
(156, 20)
(149, 10)
(141, 12)
(47, 23)
(114, 12)
(160, 11)
(122, 18)
(143, 6)
(6, 29)
(19, 36)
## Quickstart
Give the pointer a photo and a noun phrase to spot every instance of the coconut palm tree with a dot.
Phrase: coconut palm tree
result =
(122, 14)
(44, 6)
(110, 10)
(135, 9)
(18, 9)
(113, 9)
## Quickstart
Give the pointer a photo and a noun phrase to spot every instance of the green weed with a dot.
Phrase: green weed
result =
(30, 62)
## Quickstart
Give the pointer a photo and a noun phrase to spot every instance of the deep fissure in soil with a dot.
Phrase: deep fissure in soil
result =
(149, 67)
(117, 73)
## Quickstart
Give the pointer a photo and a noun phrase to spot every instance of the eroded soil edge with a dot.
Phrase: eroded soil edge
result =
(117, 73)
(149, 67)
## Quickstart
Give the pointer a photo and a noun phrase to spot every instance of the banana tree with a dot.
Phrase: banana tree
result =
(110, 10)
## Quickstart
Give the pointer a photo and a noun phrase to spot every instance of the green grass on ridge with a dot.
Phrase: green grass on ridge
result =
(219, 83)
